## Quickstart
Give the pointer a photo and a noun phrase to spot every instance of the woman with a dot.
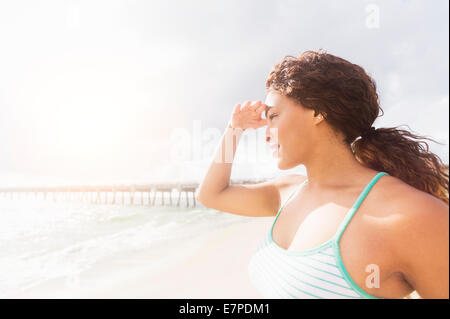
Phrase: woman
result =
(331, 238)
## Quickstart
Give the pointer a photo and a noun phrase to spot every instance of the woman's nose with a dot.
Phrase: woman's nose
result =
(271, 134)
(267, 134)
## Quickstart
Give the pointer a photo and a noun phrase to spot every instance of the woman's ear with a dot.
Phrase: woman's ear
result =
(320, 117)
(323, 115)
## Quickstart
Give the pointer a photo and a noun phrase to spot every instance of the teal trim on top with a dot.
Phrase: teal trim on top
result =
(282, 206)
(356, 205)
(347, 277)
(340, 231)
(275, 220)
(334, 241)
(341, 227)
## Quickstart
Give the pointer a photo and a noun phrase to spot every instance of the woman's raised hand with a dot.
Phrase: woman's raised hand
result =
(248, 115)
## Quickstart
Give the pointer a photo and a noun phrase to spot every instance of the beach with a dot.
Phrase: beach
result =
(210, 264)
(74, 250)
(215, 266)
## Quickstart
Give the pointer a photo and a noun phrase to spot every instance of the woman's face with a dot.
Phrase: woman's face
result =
(290, 126)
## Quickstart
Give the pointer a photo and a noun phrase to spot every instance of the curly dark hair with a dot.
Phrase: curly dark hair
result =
(346, 97)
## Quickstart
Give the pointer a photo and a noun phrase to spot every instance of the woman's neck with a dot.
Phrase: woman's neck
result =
(334, 166)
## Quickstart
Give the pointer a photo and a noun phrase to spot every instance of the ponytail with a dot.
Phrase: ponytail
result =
(400, 153)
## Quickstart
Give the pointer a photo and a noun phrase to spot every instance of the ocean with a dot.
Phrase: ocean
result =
(41, 240)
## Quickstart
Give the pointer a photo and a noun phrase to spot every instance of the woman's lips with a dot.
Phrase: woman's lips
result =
(274, 146)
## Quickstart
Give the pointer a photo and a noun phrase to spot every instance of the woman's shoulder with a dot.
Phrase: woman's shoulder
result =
(415, 228)
(402, 214)
(409, 215)
(409, 202)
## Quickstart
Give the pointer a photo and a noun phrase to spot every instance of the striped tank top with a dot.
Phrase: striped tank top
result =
(313, 273)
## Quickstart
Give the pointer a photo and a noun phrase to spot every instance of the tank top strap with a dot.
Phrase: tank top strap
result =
(356, 205)
(290, 196)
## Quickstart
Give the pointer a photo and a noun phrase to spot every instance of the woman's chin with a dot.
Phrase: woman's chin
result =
(280, 163)
(283, 165)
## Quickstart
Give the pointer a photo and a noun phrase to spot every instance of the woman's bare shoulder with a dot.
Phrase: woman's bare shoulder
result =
(409, 201)
(398, 210)
(408, 214)
(417, 229)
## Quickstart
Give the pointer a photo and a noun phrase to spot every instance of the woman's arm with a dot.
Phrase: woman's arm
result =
(422, 245)
(262, 199)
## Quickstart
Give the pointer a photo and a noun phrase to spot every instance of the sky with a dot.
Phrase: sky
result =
(141, 91)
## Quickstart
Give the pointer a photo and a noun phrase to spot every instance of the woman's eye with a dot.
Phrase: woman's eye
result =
(272, 116)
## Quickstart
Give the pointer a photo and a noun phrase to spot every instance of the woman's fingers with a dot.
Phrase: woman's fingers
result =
(261, 108)
(253, 106)
(246, 105)
(256, 105)
(237, 108)
(249, 114)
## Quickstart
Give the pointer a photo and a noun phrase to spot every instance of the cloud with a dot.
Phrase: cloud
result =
(77, 75)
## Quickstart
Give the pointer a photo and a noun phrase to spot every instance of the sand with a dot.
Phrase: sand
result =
(211, 265)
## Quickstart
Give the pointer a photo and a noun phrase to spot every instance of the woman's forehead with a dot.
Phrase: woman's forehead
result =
(272, 99)
(275, 99)
(280, 101)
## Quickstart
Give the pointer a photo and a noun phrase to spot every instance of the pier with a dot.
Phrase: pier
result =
(114, 194)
